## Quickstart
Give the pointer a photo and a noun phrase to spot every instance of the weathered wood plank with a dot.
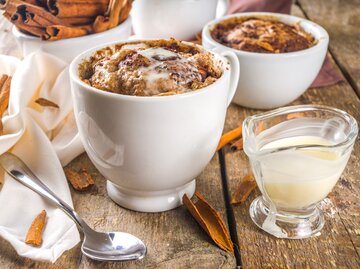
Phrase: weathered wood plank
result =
(342, 21)
(339, 243)
(173, 238)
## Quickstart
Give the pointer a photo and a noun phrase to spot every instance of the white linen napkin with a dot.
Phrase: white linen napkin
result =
(46, 139)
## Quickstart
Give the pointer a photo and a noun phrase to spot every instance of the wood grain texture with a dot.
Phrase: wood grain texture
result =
(342, 21)
(173, 238)
(338, 246)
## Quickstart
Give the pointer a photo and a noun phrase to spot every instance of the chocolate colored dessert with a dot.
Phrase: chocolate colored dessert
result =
(263, 35)
(149, 68)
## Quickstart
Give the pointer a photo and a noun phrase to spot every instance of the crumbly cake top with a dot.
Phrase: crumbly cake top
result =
(149, 68)
(264, 35)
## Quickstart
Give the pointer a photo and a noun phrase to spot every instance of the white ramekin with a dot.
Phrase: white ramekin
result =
(68, 49)
(273, 80)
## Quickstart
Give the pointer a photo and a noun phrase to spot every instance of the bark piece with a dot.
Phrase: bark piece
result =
(237, 145)
(245, 188)
(210, 221)
(45, 102)
(79, 180)
(34, 234)
(229, 136)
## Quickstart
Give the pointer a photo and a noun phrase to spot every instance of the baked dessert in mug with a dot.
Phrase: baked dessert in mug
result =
(150, 68)
(262, 35)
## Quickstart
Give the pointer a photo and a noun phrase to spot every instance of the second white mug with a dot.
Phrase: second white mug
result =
(180, 19)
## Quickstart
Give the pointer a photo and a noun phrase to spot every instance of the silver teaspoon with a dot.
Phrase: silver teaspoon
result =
(112, 246)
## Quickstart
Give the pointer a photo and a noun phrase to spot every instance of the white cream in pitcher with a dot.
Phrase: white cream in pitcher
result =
(300, 177)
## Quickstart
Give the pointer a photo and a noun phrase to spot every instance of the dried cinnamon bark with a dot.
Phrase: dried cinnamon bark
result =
(32, 9)
(17, 20)
(34, 234)
(237, 145)
(79, 180)
(210, 221)
(45, 102)
(77, 8)
(57, 32)
(245, 188)
(5, 82)
(101, 24)
(125, 11)
(229, 136)
(73, 18)
(77, 20)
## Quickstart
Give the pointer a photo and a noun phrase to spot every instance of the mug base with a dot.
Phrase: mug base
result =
(287, 225)
(156, 201)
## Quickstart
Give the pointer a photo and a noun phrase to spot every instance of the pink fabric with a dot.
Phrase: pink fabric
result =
(279, 6)
(328, 74)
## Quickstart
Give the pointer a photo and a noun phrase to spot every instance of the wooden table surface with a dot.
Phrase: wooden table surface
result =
(175, 240)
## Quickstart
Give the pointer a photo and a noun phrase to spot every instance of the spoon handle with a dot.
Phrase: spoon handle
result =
(18, 170)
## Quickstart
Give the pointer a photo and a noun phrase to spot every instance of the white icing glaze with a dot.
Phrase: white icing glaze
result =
(151, 52)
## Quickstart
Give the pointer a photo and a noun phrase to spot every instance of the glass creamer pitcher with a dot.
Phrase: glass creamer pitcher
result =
(297, 155)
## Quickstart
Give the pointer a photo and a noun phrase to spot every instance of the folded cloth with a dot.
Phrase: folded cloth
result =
(46, 139)
(278, 6)
(328, 74)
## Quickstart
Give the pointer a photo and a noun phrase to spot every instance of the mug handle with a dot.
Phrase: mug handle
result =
(222, 8)
(234, 70)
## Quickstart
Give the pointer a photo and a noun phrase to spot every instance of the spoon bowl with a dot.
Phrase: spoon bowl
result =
(113, 246)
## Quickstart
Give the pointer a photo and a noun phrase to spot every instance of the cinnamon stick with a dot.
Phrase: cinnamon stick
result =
(229, 136)
(100, 24)
(40, 20)
(45, 102)
(5, 82)
(210, 221)
(57, 32)
(30, 21)
(21, 25)
(125, 11)
(34, 234)
(115, 9)
(77, 20)
(28, 8)
(3, 4)
(76, 8)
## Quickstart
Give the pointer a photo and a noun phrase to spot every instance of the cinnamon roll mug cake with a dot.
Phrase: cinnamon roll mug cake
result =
(150, 115)
(150, 68)
(280, 55)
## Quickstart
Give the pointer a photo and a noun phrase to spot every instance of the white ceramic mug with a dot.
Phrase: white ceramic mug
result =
(150, 149)
(180, 19)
